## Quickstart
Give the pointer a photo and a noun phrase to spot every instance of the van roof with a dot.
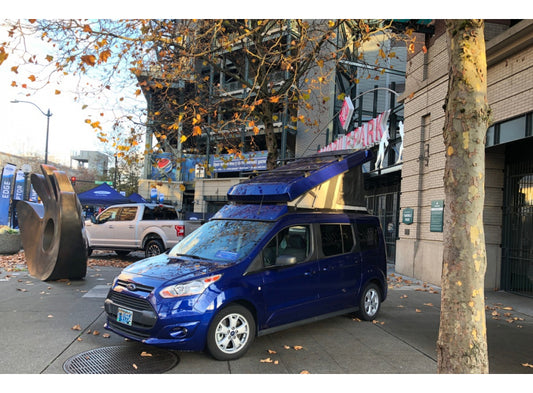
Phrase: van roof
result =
(286, 183)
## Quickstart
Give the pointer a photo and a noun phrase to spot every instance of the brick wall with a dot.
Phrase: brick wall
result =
(510, 93)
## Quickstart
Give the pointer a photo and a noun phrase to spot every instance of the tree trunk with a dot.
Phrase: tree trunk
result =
(462, 342)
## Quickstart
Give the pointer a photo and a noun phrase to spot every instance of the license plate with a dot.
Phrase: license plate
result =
(124, 316)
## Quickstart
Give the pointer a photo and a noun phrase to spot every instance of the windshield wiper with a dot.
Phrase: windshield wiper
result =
(190, 256)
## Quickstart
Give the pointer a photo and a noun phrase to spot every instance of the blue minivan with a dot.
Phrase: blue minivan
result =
(268, 260)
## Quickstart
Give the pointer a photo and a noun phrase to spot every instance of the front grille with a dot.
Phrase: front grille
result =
(139, 287)
(130, 302)
(144, 315)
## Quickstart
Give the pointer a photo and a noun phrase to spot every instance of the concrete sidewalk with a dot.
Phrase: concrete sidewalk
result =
(44, 324)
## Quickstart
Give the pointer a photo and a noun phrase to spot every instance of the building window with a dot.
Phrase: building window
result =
(510, 130)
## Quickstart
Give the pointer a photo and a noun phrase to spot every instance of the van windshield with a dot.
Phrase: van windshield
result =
(222, 240)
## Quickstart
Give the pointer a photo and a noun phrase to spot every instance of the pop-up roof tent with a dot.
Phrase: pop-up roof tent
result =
(322, 181)
(103, 195)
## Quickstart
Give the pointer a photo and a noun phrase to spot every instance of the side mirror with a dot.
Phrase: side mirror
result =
(285, 260)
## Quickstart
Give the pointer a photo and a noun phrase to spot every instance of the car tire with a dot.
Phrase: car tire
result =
(122, 253)
(231, 333)
(153, 247)
(370, 303)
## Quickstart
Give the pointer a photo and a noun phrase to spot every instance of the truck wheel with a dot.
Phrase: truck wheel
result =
(153, 247)
(231, 333)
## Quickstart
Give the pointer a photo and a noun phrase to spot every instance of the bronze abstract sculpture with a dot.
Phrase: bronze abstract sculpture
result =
(52, 233)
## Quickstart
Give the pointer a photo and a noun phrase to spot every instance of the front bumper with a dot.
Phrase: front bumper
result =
(174, 324)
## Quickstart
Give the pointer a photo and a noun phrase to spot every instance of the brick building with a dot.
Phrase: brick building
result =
(508, 214)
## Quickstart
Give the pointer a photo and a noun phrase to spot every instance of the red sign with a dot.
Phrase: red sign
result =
(362, 137)
(346, 113)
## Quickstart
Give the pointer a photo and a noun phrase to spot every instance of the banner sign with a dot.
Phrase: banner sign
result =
(345, 116)
(163, 166)
(248, 162)
(5, 193)
(362, 137)
(20, 182)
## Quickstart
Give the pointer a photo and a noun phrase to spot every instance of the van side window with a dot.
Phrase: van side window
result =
(336, 239)
(368, 236)
(294, 241)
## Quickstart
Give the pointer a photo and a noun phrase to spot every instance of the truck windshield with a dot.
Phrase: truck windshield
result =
(222, 240)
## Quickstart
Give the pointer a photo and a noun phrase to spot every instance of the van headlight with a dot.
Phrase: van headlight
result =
(189, 288)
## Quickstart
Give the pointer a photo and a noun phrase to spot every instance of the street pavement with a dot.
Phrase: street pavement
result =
(44, 324)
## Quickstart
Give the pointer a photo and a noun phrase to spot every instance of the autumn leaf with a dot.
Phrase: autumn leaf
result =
(267, 360)
(57, 92)
(104, 56)
(304, 372)
(3, 55)
(183, 138)
(527, 365)
(76, 327)
(135, 366)
(145, 354)
(196, 131)
(96, 333)
(15, 69)
(274, 99)
(270, 351)
(50, 316)
(89, 60)
(417, 310)
(298, 347)
(106, 335)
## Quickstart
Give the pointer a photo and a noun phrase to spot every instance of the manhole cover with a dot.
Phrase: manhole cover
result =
(122, 360)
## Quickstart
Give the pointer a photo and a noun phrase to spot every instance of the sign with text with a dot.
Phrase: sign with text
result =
(5, 192)
(436, 222)
(362, 137)
(247, 162)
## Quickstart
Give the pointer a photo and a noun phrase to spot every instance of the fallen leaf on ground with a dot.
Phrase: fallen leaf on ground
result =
(270, 351)
(286, 347)
(50, 316)
(135, 366)
(267, 360)
(428, 304)
(76, 327)
(106, 335)
(417, 310)
(298, 347)
(96, 333)
(145, 354)
(527, 365)
(304, 372)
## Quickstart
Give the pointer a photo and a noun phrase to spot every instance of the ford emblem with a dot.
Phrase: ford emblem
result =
(131, 287)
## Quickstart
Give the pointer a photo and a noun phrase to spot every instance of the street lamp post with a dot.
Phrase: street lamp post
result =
(47, 114)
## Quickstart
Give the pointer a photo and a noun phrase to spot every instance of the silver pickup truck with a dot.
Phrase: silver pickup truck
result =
(151, 227)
